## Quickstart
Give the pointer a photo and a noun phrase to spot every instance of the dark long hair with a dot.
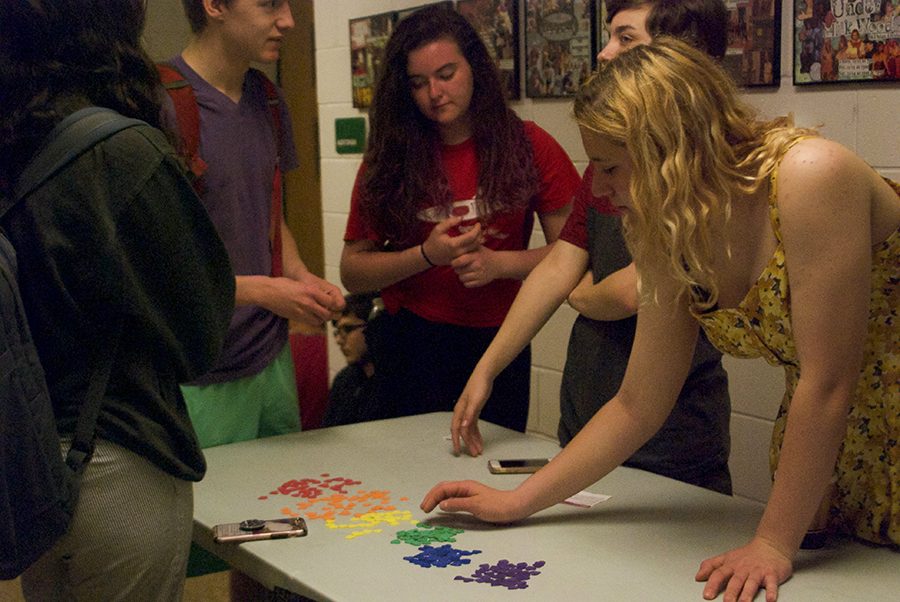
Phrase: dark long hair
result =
(57, 56)
(403, 169)
(701, 23)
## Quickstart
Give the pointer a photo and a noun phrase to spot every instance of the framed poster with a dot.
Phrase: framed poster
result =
(403, 13)
(368, 36)
(602, 31)
(497, 22)
(753, 56)
(560, 45)
(844, 41)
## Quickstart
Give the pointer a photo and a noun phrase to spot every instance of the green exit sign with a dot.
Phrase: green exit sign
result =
(350, 135)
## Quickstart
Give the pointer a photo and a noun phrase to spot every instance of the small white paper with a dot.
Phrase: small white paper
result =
(586, 499)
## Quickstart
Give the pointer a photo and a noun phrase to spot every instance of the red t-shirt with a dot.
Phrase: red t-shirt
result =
(436, 294)
(575, 231)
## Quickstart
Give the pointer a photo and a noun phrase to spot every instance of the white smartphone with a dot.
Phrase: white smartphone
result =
(254, 528)
(516, 466)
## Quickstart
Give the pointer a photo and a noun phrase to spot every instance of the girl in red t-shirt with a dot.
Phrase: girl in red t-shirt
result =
(442, 212)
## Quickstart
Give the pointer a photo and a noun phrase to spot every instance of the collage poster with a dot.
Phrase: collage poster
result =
(846, 41)
(368, 36)
(497, 23)
(559, 46)
(754, 36)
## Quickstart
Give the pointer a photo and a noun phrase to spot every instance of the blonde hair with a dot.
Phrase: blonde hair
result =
(695, 148)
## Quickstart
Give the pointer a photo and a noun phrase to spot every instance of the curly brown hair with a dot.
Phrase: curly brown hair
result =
(403, 171)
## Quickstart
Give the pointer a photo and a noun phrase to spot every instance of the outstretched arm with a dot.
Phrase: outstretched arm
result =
(541, 294)
(647, 394)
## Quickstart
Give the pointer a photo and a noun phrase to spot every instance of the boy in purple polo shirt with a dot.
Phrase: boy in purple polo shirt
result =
(251, 392)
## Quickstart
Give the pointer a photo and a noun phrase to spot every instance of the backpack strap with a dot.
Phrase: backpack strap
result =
(187, 115)
(275, 216)
(82, 447)
(273, 101)
(72, 137)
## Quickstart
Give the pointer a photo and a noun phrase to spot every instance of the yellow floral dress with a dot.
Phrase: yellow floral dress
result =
(867, 474)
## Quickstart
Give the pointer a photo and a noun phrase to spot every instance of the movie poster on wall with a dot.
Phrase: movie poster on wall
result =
(846, 41)
(368, 36)
(559, 46)
(754, 34)
(497, 23)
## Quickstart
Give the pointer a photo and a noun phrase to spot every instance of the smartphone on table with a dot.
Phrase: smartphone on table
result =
(516, 466)
(254, 529)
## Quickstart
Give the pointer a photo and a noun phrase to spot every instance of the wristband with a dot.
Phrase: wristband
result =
(424, 256)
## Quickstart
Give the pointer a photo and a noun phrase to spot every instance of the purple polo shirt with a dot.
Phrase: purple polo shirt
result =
(239, 146)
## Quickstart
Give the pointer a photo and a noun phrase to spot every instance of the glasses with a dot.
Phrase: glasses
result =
(345, 329)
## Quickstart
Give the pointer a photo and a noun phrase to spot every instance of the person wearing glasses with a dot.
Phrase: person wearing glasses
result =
(354, 393)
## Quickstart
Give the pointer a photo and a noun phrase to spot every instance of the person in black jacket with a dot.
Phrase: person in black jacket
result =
(115, 253)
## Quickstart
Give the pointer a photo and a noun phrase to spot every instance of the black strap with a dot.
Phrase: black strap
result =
(82, 447)
(72, 137)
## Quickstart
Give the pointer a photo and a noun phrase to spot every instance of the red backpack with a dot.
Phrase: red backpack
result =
(187, 114)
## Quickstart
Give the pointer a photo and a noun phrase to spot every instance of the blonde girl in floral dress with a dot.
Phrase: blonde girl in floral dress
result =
(781, 244)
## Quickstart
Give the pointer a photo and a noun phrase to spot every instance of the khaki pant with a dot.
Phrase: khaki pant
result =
(129, 537)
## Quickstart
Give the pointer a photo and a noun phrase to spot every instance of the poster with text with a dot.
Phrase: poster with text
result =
(559, 46)
(497, 22)
(846, 41)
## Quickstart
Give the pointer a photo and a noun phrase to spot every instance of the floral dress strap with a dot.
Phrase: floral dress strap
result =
(773, 204)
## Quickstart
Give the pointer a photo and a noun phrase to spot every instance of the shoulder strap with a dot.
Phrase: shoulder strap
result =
(273, 101)
(187, 114)
(82, 447)
(72, 137)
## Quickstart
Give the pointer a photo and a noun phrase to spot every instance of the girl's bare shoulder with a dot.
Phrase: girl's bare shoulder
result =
(820, 174)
